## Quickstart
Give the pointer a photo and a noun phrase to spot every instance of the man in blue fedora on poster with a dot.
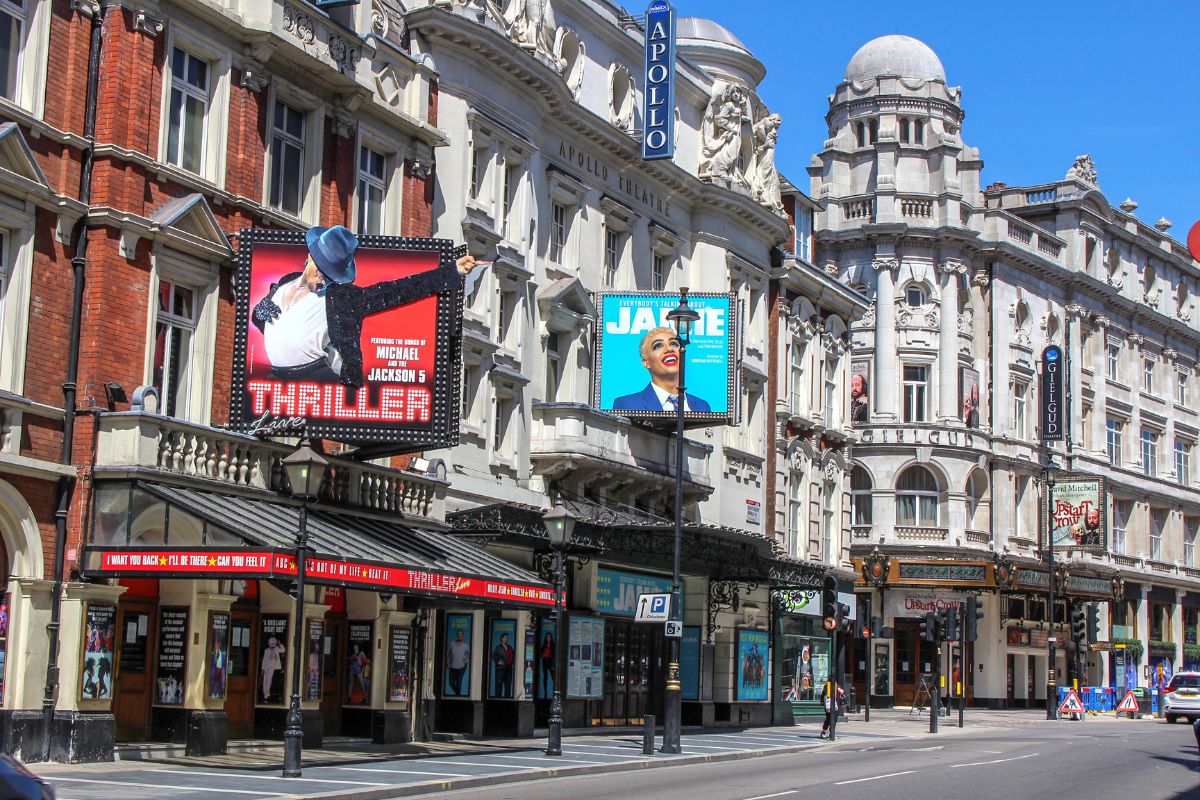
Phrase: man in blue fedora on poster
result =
(312, 320)
(660, 356)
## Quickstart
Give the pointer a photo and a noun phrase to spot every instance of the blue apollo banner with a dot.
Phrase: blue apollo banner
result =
(658, 104)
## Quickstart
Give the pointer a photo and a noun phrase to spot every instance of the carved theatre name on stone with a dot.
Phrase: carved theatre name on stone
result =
(626, 186)
(934, 436)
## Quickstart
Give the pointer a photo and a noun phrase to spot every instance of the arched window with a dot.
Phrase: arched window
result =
(874, 128)
(860, 134)
(918, 129)
(977, 489)
(917, 498)
(860, 497)
(903, 131)
(915, 295)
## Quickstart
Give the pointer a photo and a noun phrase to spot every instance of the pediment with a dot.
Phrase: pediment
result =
(19, 168)
(565, 304)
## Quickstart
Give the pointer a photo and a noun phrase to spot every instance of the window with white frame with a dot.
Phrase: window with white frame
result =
(12, 36)
(829, 408)
(1121, 511)
(659, 273)
(916, 389)
(1158, 523)
(1148, 375)
(915, 295)
(803, 232)
(286, 158)
(501, 422)
(828, 528)
(5, 277)
(1183, 461)
(470, 388)
(861, 497)
(24, 46)
(1114, 362)
(558, 232)
(372, 189)
(796, 517)
(174, 330)
(553, 366)
(508, 194)
(796, 386)
(506, 313)
(1114, 440)
(475, 176)
(917, 498)
(187, 110)
(1149, 443)
(1020, 390)
(1181, 388)
(612, 255)
(1191, 525)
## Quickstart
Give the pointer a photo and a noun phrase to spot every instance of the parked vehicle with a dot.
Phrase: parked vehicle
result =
(1181, 698)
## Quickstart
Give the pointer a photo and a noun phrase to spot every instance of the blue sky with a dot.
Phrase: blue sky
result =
(1042, 83)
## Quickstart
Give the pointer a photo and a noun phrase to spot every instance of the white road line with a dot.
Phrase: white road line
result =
(692, 745)
(548, 761)
(401, 772)
(271, 777)
(915, 749)
(876, 778)
(161, 786)
(997, 761)
(777, 794)
(457, 763)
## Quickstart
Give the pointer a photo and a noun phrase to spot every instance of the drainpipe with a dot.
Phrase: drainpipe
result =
(66, 484)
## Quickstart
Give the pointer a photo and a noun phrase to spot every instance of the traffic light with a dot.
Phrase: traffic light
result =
(845, 624)
(829, 604)
(1078, 626)
(950, 624)
(876, 627)
(971, 616)
(1093, 623)
(929, 627)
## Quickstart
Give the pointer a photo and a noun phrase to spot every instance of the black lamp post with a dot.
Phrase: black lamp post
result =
(681, 318)
(1049, 470)
(305, 470)
(559, 523)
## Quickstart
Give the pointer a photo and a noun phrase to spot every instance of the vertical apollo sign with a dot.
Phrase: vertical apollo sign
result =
(658, 107)
(1053, 419)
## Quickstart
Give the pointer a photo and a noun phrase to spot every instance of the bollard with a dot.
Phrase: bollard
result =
(648, 735)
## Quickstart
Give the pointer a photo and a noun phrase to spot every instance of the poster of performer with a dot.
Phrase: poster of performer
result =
(752, 664)
(398, 674)
(968, 389)
(1076, 516)
(638, 357)
(313, 673)
(170, 675)
(359, 653)
(272, 639)
(99, 630)
(218, 654)
(348, 337)
(546, 652)
(860, 391)
(457, 681)
(502, 659)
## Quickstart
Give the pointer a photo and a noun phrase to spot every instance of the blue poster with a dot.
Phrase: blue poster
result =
(638, 357)
(502, 658)
(457, 682)
(617, 592)
(546, 651)
(752, 665)
(689, 663)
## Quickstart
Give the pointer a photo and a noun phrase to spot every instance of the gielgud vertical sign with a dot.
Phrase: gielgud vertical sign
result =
(345, 337)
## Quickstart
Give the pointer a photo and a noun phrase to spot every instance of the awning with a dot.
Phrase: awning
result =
(344, 550)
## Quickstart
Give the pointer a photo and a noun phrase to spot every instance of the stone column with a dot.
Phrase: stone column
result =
(886, 390)
(1075, 373)
(948, 341)
(1099, 432)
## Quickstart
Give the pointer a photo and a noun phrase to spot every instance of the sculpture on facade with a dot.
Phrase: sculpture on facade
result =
(531, 25)
(765, 188)
(1084, 169)
(721, 137)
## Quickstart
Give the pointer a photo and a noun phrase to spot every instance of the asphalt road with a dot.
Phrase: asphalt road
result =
(1057, 760)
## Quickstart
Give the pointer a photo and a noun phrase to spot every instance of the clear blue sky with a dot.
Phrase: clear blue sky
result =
(1042, 83)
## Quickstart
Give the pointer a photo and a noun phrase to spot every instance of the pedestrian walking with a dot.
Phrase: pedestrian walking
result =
(831, 708)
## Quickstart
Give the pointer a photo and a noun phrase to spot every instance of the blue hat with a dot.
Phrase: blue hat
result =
(333, 251)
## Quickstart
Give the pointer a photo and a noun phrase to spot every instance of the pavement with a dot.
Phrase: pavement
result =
(409, 770)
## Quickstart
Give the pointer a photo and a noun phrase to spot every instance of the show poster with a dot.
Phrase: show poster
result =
(399, 639)
(99, 631)
(457, 680)
(360, 649)
(752, 664)
(585, 658)
(272, 638)
(968, 392)
(353, 338)
(546, 653)
(313, 642)
(502, 658)
(860, 391)
(218, 654)
(530, 660)
(637, 364)
(3, 640)
(689, 663)
(1077, 514)
(172, 651)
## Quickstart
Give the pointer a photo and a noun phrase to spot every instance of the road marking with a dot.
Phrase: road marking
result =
(922, 749)
(161, 786)
(549, 761)
(997, 761)
(876, 778)
(777, 794)
(259, 777)
(401, 772)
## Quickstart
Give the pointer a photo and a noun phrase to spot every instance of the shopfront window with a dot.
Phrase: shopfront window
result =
(805, 666)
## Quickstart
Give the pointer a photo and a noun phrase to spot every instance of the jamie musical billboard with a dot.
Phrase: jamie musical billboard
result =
(638, 360)
(345, 337)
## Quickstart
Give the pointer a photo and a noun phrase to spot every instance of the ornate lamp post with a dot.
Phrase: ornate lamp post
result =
(305, 470)
(681, 318)
(1049, 471)
(559, 523)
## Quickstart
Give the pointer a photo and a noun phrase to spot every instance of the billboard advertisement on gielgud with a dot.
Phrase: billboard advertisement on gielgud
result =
(1076, 517)
(636, 373)
(345, 337)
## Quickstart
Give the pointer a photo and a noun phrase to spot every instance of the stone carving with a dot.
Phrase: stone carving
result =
(342, 53)
(721, 137)
(299, 25)
(868, 319)
(531, 24)
(570, 52)
(1084, 169)
(765, 188)
(831, 471)
(966, 321)
(885, 263)
(1163, 224)
(379, 20)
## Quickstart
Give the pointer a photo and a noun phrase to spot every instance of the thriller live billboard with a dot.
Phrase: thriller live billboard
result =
(350, 338)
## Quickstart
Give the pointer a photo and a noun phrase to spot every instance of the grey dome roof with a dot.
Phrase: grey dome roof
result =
(700, 28)
(895, 55)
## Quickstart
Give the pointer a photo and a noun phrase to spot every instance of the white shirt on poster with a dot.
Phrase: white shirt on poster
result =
(301, 332)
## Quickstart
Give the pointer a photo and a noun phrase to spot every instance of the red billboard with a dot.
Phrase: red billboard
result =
(348, 338)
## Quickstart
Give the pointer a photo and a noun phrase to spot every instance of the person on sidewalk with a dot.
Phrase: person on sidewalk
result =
(830, 707)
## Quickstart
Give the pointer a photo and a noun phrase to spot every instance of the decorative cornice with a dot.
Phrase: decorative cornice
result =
(1075, 310)
(147, 23)
(1135, 340)
(253, 80)
(89, 8)
(881, 264)
(952, 267)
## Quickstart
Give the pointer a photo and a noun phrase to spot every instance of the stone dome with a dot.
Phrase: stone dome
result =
(706, 30)
(898, 55)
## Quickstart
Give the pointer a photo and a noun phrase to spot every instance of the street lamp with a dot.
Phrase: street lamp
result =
(682, 318)
(559, 523)
(1049, 471)
(305, 471)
